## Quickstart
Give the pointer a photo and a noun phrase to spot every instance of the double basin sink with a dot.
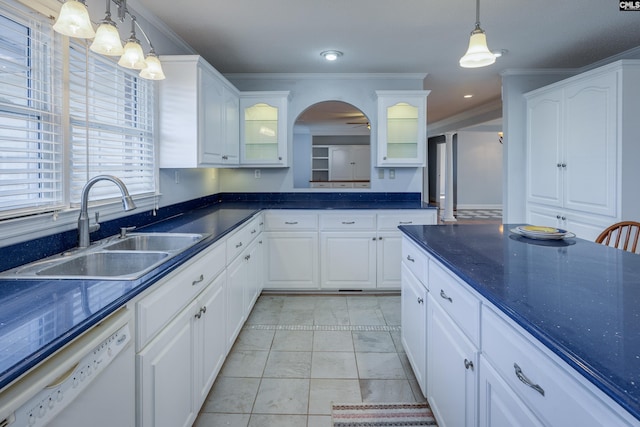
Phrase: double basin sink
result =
(117, 258)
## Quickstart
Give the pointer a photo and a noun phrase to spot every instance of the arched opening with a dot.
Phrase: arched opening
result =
(332, 147)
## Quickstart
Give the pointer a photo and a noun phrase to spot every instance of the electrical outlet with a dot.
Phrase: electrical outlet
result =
(257, 174)
(392, 174)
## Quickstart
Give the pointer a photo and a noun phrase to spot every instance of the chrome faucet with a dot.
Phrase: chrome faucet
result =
(84, 229)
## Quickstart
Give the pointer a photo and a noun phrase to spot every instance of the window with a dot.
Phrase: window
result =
(111, 119)
(30, 141)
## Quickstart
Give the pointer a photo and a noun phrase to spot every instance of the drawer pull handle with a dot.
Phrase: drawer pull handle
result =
(445, 296)
(198, 280)
(405, 222)
(468, 364)
(348, 222)
(410, 259)
(200, 312)
(522, 377)
(291, 222)
(238, 245)
(253, 231)
(420, 300)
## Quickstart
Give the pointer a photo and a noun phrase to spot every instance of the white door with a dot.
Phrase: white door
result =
(389, 256)
(348, 260)
(340, 164)
(211, 141)
(237, 274)
(361, 158)
(291, 260)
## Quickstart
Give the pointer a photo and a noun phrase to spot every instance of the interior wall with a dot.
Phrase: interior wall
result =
(479, 171)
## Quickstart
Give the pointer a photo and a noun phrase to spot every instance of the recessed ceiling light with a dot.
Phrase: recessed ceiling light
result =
(499, 53)
(468, 96)
(331, 55)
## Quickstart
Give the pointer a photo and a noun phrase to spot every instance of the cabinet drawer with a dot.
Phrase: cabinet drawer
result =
(554, 395)
(415, 259)
(290, 221)
(348, 221)
(176, 291)
(459, 303)
(391, 221)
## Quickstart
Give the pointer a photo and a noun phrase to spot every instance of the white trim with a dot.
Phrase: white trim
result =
(326, 76)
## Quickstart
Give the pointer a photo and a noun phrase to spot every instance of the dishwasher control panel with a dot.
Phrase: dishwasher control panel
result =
(47, 403)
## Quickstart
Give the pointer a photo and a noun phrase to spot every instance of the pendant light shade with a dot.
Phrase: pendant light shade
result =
(478, 54)
(107, 41)
(74, 20)
(133, 56)
(154, 68)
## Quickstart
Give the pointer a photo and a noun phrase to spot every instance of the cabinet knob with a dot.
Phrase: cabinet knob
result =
(445, 296)
(420, 300)
(564, 165)
(468, 364)
(523, 378)
(559, 165)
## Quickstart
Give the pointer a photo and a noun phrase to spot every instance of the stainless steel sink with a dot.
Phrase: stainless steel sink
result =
(104, 264)
(169, 242)
(124, 258)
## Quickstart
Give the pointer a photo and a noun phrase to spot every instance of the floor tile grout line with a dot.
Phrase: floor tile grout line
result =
(360, 328)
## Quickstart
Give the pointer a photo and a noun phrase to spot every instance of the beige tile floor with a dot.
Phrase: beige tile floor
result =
(298, 353)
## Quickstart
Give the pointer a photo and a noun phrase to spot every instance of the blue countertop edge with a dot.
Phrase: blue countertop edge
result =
(247, 205)
(610, 388)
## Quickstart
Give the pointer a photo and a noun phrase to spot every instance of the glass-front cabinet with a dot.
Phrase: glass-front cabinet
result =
(263, 128)
(402, 128)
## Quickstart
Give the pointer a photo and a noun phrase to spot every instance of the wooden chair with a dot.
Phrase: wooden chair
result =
(622, 235)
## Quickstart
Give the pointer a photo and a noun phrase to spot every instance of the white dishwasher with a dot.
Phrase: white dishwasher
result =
(90, 382)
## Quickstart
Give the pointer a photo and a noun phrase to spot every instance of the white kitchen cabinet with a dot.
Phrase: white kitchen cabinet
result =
(580, 135)
(237, 278)
(177, 369)
(198, 115)
(349, 163)
(263, 129)
(452, 364)
(499, 405)
(291, 250)
(255, 274)
(402, 128)
(414, 325)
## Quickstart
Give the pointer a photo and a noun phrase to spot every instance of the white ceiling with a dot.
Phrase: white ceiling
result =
(401, 36)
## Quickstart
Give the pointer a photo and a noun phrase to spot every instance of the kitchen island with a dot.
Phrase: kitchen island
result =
(575, 301)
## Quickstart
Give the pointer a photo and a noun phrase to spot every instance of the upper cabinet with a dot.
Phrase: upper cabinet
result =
(199, 115)
(402, 128)
(581, 149)
(263, 129)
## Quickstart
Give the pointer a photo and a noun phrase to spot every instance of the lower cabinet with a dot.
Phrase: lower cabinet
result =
(452, 363)
(499, 406)
(414, 325)
(348, 259)
(291, 260)
(178, 367)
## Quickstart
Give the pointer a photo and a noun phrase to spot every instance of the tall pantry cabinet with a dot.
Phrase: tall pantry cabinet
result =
(583, 148)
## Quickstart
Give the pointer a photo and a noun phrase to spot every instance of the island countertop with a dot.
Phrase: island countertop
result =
(578, 298)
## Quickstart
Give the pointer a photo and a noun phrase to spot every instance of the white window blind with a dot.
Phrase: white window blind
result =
(111, 121)
(30, 138)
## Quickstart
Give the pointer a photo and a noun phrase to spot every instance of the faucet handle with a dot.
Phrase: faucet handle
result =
(96, 226)
(125, 230)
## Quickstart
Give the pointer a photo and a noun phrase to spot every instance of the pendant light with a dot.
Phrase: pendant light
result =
(478, 54)
(153, 71)
(133, 56)
(107, 41)
(74, 20)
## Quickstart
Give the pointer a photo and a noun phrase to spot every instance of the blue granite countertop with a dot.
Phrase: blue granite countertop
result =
(579, 298)
(38, 317)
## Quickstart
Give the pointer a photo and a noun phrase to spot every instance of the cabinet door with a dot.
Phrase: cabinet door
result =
(165, 376)
(210, 118)
(389, 256)
(231, 139)
(263, 128)
(348, 260)
(291, 259)
(237, 277)
(499, 405)
(414, 325)
(590, 144)
(210, 343)
(255, 274)
(452, 361)
(402, 118)
(544, 138)
(340, 164)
